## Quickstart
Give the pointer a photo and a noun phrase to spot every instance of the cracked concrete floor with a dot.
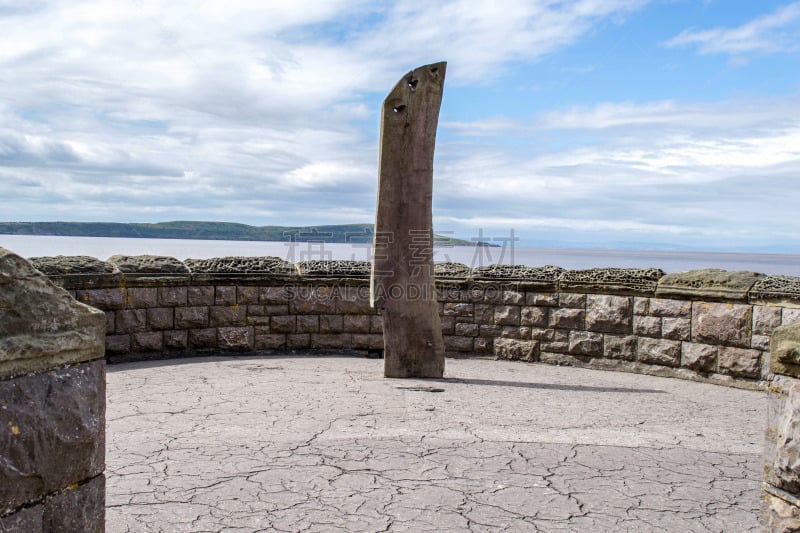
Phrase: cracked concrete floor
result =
(326, 443)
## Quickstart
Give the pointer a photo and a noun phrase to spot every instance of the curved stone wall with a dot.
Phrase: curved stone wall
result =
(707, 325)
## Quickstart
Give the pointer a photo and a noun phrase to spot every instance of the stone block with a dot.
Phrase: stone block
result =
(514, 349)
(619, 347)
(353, 303)
(142, 297)
(235, 338)
(130, 320)
(641, 306)
(331, 324)
(367, 341)
(24, 520)
(312, 300)
(699, 357)
(148, 264)
(147, 341)
(52, 431)
(567, 318)
(566, 299)
(80, 508)
(765, 319)
(176, 340)
(448, 294)
(678, 329)
(739, 362)
(453, 343)
(376, 324)
(270, 342)
(482, 345)
(513, 298)
(331, 341)
(448, 324)
(256, 319)
(722, 323)
(490, 330)
(203, 295)
(227, 316)
(553, 347)
(457, 309)
(647, 326)
(467, 330)
(247, 295)
(710, 284)
(274, 295)
(225, 295)
(307, 324)
(543, 334)
(667, 307)
(609, 314)
(544, 299)
(191, 317)
(483, 314)
(115, 298)
(116, 344)
(282, 324)
(515, 332)
(659, 351)
(760, 342)
(172, 296)
(298, 341)
(790, 316)
(585, 343)
(203, 339)
(507, 315)
(111, 319)
(356, 323)
(474, 294)
(534, 316)
(779, 515)
(160, 317)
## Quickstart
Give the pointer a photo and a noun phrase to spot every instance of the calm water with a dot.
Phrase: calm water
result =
(669, 261)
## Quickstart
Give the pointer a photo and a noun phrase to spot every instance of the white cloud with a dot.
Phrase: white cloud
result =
(775, 32)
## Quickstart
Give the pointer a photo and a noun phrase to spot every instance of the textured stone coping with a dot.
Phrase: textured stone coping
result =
(547, 273)
(148, 264)
(776, 288)
(41, 325)
(241, 265)
(334, 269)
(710, 284)
(60, 265)
(452, 270)
(612, 280)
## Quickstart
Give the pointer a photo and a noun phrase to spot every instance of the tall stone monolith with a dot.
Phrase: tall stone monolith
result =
(402, 283)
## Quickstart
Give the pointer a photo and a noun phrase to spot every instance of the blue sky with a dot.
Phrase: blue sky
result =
(594, 123)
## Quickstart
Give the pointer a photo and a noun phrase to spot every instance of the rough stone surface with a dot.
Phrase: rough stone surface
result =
(41, 325)
(785, 351)
(52, 428)
(451, 270)
(739, 362)
(148, 264)
(647, 326)
(711, 284)
(722, 323)
(585, 343)
(612, 280)
(608, 314)
(334, 269)
(547, 274)
(782, 453)
(659, 351)
(780, 288)
(700, 357)
(77, 509)
(780, 516)
(241, 265)
(676, 328)
(666, 307)
(505, 348)
(618, 347)
(326, 444)
(72, 264)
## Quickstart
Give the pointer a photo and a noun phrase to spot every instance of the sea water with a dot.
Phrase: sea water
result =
(570, 258)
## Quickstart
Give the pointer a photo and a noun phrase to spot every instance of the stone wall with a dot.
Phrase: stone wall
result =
(52, 405)
(705, 325)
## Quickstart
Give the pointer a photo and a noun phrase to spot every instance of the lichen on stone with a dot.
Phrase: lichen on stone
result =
(339, 268)
(241, 265)
(61, 265)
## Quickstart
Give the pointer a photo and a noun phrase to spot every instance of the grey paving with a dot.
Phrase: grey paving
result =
(327, 444)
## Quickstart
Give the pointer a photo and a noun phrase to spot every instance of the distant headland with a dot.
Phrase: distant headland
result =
(226, 231)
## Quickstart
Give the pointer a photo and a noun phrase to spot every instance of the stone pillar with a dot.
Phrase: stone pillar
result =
(780, 510)
(52, 405)
(402, 282)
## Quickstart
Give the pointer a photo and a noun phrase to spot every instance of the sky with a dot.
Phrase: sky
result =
(661, 124)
